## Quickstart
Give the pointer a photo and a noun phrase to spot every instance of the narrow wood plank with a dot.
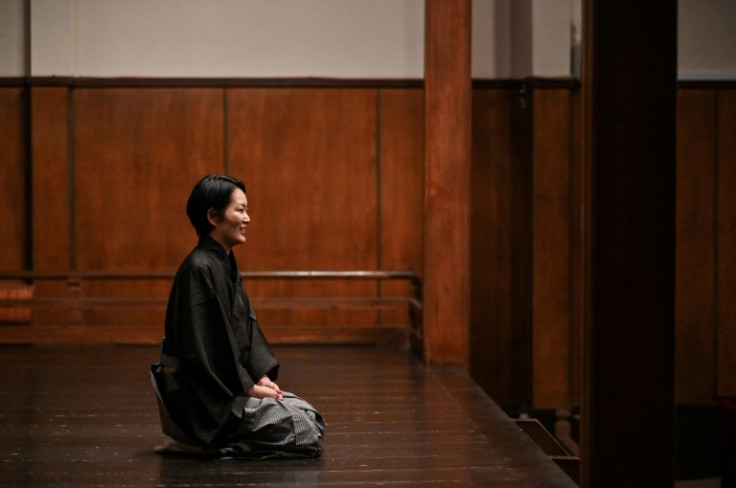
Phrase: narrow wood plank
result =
(695, 267)
(551, 253)
(726, 307)
(500, 252)
(50, 163)
(401, 188)
(51, 192)
(14, 185)
(578, 255)
(448, 112)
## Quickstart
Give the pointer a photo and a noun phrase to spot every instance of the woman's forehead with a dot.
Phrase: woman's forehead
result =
(238, 197)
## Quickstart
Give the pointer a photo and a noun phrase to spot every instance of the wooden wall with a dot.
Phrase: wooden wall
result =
(14, 252)
(96, 178)
(555, 266)
(706, 245)
(526, 271)
(334, 178)
(705, 251)
(500, 244)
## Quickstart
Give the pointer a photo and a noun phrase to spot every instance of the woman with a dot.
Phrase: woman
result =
(215, 379)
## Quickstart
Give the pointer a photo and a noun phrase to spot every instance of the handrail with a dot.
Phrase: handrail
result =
(19, 301)
(75, 277)
(164, 275)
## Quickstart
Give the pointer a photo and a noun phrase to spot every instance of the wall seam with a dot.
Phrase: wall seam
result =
(379, 200)
(225, 132)
(716, 246)
(70, 155)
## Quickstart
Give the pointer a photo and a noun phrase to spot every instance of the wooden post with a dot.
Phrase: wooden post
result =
(629, 85)
(447, 182)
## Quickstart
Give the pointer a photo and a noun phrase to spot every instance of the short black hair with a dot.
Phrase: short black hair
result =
(212, 191)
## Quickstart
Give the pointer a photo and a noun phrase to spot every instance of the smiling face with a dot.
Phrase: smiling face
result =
(229, 228)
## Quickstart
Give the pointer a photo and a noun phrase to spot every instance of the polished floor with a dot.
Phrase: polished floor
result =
(85, 416)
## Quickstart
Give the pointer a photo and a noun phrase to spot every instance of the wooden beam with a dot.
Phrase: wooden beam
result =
(447, 181)
(629, 83)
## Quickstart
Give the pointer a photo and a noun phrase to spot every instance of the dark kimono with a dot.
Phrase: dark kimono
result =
(213, 353)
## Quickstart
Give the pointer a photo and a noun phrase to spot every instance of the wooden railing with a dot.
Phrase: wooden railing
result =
(17, 300)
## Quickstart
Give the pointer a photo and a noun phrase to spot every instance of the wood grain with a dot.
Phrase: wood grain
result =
(308, 158)
(390, 421)
(447, 142)
(726, 216)
(629, 83)
(579, 257)
(695, 314)
(551, 252)
(401, 187)
(14, 184)
(137, 155)
(51, 197)
(500, 306)
(51, 179)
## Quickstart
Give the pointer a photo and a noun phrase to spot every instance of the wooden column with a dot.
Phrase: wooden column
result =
(629, 85)
(447, 181)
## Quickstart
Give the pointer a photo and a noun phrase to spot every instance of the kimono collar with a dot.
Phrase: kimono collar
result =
(207, 243)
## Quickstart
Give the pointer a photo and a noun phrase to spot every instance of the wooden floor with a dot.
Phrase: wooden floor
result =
(86, 416)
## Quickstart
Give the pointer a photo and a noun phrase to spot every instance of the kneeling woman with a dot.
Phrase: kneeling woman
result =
(215, 380)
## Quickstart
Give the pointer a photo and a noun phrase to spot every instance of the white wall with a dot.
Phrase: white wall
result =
(256, 38)
(12, 34)
(320, 38)
(53, 38)
(707, 39)
(228, 38)
(552, 23)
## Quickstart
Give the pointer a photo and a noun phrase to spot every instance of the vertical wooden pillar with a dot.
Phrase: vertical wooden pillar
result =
(447, 181)
(629, 85)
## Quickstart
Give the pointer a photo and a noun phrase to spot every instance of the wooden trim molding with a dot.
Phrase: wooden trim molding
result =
(478, 83)
(142, 82)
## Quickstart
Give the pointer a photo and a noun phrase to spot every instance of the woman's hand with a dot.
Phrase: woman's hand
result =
(266, 381)
(265, 388)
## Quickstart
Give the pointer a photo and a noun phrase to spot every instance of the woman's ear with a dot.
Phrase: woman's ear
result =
(212, 216)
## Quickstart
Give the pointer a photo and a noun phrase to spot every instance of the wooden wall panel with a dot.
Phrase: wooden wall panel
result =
(726, 216)
(401, 189)
(137, 155)
(551, 251)
(51, 197)
(578, 255)
(51, 178)
(695, 316)
(14, 224)
(308, 158)
(499, 325)
(335, 182)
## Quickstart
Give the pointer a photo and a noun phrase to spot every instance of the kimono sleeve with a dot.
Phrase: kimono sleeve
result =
(261, 360)
(204, 349)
